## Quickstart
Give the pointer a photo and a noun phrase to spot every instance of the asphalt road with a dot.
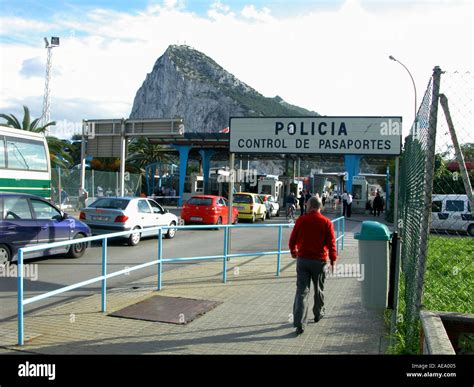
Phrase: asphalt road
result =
(56, 271)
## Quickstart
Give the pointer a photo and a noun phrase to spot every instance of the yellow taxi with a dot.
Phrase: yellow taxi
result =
(250, 206)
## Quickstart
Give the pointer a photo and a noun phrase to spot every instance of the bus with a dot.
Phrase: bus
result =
(24, 162)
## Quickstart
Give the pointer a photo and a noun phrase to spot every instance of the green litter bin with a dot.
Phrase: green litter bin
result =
(374, 256)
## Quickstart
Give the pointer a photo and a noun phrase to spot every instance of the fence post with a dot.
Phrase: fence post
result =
(160, 256)
(20, 297)
(428, 189)
(280, 231)
(104, 273)
(224, 266)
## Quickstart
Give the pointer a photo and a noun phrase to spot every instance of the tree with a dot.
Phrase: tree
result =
(142, 153)
(27, 124)
(58, 152)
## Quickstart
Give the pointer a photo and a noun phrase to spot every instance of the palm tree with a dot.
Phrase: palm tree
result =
(142, 153)
(58, 148)
(27, 124)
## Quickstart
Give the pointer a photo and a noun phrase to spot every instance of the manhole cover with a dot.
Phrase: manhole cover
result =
(174, 310)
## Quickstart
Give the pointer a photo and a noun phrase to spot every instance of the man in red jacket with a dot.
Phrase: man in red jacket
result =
(312, 243)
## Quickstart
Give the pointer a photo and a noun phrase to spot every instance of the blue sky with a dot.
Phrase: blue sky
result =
(37, 9)
(326, 56)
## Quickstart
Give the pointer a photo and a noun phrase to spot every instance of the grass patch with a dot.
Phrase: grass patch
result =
(448, 286)
(449, 272)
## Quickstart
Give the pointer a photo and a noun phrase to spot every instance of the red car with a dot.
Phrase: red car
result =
(208, 209)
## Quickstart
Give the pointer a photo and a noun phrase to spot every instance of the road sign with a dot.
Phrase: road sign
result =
(316, 135)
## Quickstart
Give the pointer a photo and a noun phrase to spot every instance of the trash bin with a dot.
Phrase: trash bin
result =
(374, 240)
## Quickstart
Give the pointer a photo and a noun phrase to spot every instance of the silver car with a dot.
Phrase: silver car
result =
(115, 214)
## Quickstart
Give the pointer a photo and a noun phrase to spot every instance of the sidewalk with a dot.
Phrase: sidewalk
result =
(252, 319)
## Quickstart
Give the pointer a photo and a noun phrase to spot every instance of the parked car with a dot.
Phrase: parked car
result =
(272, 205)
(115, 214)
(27, 220)
(452, 213)
(208, 209)
(250, 206)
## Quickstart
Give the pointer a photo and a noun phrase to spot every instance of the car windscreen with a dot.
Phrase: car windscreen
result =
(243, 199)
(200, 202)
(116, 204)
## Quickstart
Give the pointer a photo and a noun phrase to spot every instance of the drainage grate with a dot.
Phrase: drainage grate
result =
(174, 310)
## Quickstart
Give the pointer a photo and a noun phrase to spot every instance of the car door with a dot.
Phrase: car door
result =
(455, 208)
(260, 206)
(145, 216)
(159, 214)
(222, 210)
(18, 228)
(53, 226)
(437, 216)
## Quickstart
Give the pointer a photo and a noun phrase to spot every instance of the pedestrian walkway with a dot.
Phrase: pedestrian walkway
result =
(254, 317)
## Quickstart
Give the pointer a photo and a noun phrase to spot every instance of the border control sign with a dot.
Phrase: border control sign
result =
(316, 135)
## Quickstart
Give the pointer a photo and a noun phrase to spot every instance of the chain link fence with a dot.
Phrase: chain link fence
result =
(66, 183)
(435, 207)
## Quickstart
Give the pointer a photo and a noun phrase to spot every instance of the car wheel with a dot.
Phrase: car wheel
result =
(134, 239)
(5, 255)
(77, 250)
(171, 232)
(470, 230)
(218, 223)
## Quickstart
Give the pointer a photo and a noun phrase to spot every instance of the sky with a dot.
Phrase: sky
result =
(328, 56)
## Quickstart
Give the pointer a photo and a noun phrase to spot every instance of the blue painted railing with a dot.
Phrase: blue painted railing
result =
(225, 257)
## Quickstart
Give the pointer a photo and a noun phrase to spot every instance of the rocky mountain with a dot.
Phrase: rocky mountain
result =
(186, 83)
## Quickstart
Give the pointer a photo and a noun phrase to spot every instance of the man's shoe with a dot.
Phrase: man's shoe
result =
(317, 319)
(299, 331)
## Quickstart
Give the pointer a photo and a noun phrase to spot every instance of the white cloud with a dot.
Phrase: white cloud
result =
(334, 61)
(250, 12)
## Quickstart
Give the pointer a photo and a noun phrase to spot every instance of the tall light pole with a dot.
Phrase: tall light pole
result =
(414, 88)
(45, 117)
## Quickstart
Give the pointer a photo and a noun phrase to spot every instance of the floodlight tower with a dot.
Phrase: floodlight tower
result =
(45, 117)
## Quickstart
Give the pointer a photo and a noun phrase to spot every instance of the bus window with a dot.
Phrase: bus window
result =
(455, 205)
(2, 152)
(26, 155)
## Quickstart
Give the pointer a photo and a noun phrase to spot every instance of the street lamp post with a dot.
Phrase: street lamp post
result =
(414, 88)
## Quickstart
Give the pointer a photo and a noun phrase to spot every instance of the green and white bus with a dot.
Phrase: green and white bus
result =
(24, 162)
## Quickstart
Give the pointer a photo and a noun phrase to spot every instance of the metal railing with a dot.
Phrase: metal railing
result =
(225, 257)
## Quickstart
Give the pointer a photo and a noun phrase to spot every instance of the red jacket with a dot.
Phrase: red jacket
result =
(313, 237)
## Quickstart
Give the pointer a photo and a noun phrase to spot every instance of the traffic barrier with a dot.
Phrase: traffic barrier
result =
(225, 257)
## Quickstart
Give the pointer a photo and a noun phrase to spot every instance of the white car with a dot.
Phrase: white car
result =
(115, 214)
(452, 213)
(272, 204)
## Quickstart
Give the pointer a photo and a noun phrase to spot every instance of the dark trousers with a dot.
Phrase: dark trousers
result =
(307, 270)
(344, 207)
(349, 210)
(302, 209)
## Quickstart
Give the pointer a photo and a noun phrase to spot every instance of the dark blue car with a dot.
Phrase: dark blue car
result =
(28, 220)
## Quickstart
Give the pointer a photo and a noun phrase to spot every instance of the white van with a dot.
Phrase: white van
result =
(452, 213)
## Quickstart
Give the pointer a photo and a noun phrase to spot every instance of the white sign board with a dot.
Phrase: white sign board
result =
(316, 135)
